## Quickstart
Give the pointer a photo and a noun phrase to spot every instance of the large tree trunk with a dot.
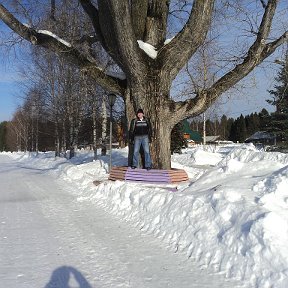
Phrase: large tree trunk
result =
(160, 147)
(161, 124)
(152, 94)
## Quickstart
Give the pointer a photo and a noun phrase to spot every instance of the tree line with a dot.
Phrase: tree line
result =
(31, 131)
(236, 130)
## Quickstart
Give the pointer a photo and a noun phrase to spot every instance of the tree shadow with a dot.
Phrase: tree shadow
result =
(67, 277)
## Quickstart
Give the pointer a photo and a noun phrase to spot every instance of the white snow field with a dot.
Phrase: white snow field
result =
(226, 227)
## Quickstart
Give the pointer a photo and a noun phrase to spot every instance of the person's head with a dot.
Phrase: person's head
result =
(140, 113)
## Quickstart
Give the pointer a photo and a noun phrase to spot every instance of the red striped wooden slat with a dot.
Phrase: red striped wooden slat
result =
(143, 175)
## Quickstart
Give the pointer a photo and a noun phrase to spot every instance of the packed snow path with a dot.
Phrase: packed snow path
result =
(48, 239)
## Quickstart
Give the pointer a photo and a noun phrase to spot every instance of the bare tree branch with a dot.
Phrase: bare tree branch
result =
(189, 39)
(57, 45)
(258, 51)
(108, 43)
(139, 13)
(263, 4)
(93, 14)
(184, 109)
(114, 16)
(52, 13)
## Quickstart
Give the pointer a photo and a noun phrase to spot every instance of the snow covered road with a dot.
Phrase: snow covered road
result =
(48, 239)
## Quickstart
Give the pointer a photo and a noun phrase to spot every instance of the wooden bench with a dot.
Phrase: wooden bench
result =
(150, 176)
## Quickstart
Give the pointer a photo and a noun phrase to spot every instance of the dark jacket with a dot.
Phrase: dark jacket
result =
(140, 128)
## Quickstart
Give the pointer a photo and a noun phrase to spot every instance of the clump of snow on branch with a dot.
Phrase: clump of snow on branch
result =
(27, 25)
(149, 49)
(167, 41)
(46, 32)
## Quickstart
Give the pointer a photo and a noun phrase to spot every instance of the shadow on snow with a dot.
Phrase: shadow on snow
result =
(67, 277)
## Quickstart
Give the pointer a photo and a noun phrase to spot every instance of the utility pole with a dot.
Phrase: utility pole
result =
(204, 129)
(112, 99)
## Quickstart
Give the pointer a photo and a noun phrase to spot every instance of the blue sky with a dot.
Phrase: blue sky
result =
(8, 80)
(9, 90)
(253, 92)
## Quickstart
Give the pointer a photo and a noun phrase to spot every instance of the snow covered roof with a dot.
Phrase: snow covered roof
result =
(212, 138)
(261, 135)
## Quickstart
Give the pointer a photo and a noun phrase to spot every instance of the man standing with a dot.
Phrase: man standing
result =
(140, 133)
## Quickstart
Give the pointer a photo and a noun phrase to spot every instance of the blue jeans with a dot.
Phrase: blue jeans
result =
(144, 141)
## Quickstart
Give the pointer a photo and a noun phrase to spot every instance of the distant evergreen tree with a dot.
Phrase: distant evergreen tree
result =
(3, 136)
(233, 131)
(264, 119)
(238, 131)
(209, 127)
(252, 123)
(278, 123)
(230, 122)
(216, 127)
(242, 131)
(177, 139)
(223, 128)
(256, 122)
(248, 124)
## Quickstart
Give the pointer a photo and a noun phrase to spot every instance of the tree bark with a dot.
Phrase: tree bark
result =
(160, 147)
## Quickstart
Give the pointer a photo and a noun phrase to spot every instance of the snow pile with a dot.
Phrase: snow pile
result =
(273, 195)
(232, 215)
(197, 156)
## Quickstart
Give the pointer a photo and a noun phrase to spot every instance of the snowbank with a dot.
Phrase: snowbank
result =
(231, 216)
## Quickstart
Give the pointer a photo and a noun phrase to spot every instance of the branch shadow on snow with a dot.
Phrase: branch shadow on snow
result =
(41, 170)
(67, 277)
(117, 159)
